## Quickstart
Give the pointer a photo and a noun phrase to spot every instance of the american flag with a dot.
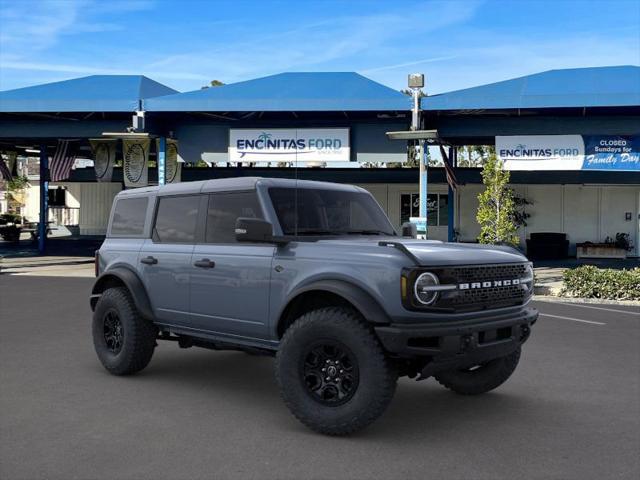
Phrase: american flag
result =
(4, 170)
(62, 161)
(448, 169)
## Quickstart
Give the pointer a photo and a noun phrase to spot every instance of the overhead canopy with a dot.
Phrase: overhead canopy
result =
(569, 88)
(96, 93)
(289, 92)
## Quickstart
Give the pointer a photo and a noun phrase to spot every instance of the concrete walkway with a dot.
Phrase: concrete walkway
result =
(548, 280)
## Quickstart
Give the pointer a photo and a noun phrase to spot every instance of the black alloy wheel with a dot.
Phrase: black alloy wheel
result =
(113, 331)
(123, 339)
(330, 373)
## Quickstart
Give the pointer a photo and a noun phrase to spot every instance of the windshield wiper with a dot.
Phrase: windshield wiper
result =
(366, 232)
(311, 231)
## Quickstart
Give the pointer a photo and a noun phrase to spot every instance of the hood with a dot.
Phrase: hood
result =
(438, 253)
(434, 252)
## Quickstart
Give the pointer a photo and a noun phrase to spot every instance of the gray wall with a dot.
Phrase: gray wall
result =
(209, 142)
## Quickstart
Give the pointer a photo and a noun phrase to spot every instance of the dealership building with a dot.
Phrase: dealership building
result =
(571, 139)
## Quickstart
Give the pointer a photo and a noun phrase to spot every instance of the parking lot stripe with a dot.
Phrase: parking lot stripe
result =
(600, 308)
(571, 318)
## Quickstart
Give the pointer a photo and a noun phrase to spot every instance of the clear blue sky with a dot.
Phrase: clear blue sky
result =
(184, 44)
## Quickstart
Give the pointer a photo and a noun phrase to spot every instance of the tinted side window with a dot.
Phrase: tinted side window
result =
(128, 216)
(176, 219)
(224, 210)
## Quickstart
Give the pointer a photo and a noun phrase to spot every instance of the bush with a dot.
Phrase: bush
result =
(592, 282)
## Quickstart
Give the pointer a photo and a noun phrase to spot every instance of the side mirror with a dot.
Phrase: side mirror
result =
(409, 230)
(253, 230)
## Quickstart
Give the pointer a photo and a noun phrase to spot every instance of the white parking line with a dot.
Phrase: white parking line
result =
(599, 308)
(572, 319)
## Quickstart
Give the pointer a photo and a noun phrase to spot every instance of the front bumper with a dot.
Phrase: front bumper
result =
(448, 346)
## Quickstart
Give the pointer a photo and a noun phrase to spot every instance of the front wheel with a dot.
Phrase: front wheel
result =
(332, 372)
(480, 378)
(123, 339)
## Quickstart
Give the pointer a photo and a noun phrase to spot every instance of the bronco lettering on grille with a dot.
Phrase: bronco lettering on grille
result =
(488, 284)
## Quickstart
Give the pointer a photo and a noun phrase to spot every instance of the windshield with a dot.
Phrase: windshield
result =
(328, 212)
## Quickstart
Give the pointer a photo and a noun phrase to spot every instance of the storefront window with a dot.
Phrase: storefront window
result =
(437, 212)
(443, 210)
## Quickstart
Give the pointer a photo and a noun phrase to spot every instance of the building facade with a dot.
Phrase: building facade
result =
(588, 206)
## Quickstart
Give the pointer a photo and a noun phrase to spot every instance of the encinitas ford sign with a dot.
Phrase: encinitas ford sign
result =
(541, 152)
(289, 145)
(569, 152)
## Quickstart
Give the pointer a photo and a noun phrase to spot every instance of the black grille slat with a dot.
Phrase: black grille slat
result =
(481, 298)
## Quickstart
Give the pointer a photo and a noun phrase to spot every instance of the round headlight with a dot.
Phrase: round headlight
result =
(529, 278)
(422, 288)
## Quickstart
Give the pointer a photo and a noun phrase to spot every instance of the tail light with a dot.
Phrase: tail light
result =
(96, 263)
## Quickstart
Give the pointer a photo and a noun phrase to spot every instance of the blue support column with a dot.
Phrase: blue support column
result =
(44, 199)
(453, 153)
(162, 160)
(424, 159)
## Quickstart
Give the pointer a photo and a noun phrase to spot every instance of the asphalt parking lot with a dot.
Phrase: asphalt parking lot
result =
(571, 410)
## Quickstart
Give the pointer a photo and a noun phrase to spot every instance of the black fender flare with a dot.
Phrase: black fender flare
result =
(132, 281)
(368, 306)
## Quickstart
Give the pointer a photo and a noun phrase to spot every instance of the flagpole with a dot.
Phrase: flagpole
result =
(44, 199)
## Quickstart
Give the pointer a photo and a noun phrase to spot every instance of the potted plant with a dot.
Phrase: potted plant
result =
(617, 247)
(11, 222)
(10, 226)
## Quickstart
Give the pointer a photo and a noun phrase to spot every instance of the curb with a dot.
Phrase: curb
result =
(546, 290)
(597, 301)
(9, 265)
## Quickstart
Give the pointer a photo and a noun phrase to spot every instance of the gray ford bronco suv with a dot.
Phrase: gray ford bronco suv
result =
(314, 274)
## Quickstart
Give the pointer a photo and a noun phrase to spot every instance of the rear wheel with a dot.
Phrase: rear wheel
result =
(122, 338)
(480, 378)
(332, 372)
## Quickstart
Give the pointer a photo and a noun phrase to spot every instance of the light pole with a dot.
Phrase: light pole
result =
(416, 83)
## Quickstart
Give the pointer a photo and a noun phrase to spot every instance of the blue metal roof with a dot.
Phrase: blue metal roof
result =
(298, 92)
(96, 93)
(577, 87)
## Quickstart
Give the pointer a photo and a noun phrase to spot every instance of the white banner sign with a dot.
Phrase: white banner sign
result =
(136, 162)
(104, 157)
(541, 152)
(173, 165)
(289, 145)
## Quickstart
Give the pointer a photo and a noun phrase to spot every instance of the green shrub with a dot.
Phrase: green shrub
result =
(588, 281)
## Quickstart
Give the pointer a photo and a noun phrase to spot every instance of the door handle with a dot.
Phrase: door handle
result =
(205, 263)
(149, 260)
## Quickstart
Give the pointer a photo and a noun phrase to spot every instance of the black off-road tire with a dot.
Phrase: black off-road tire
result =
(376, 377)
(138, 335)
(481, 379)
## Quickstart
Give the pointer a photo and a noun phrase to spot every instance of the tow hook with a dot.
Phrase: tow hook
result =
(468, 342)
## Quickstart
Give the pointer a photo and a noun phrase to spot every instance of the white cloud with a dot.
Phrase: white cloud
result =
(408, 64)
(348, 40)
(499, 57)
(31, 27)
(90, 70)
(435, 37)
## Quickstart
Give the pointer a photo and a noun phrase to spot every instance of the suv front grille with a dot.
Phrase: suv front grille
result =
(486, 297)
